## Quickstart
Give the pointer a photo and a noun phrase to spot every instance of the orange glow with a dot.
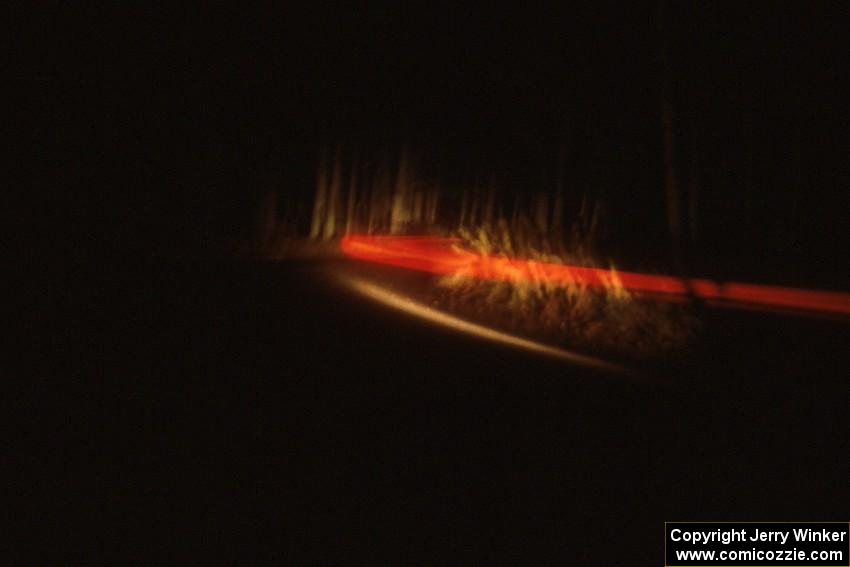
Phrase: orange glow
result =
(439, 255)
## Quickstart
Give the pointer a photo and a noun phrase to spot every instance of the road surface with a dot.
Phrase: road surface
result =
(261, 412)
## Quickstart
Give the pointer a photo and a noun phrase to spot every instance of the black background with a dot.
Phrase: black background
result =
(172, 123)
(176, 399)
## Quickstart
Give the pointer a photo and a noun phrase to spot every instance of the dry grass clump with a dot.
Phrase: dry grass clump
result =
(608, 320)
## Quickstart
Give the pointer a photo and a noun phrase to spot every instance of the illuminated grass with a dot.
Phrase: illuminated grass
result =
(394, 200)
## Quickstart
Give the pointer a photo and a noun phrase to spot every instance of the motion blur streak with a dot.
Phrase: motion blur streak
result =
(412, 307)
(440, 255)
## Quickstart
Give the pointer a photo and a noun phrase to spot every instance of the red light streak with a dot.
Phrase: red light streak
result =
(436, 255)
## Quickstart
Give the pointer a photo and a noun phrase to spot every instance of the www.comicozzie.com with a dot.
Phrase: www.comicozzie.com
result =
(766, 543)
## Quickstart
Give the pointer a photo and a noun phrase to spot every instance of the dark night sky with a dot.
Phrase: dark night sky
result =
(175, 121)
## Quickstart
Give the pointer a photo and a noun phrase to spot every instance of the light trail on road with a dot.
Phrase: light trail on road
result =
(439, 255)
(411, 307)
